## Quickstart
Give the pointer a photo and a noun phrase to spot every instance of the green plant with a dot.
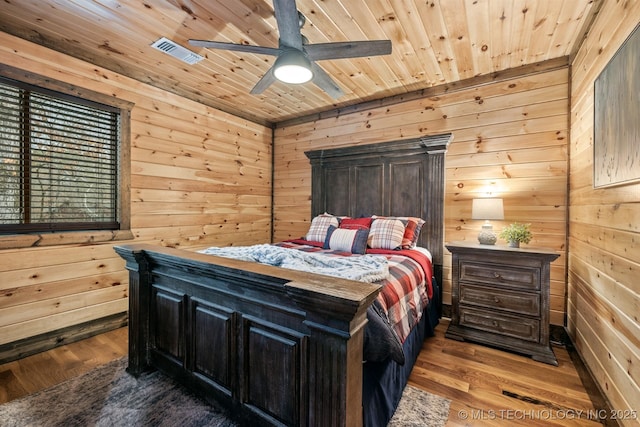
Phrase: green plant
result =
(517, 233)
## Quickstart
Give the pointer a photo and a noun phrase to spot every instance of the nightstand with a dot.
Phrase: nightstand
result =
(500, 298)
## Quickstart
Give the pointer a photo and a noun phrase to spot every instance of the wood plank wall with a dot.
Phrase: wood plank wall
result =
(604, 239)
(200, 178)
(510, 139)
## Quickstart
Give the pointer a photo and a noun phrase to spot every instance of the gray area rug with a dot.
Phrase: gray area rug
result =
(108, 396)
(419, 408)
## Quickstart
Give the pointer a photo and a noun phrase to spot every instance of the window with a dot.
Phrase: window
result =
(59, 161)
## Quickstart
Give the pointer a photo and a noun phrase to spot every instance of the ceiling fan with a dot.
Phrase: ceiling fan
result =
(295, 58)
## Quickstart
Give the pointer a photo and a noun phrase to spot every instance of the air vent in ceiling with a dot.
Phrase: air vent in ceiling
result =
(174, 49)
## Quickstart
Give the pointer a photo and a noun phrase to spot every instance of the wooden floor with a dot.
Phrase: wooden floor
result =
(487, 387)
(490, 387)
(42, 370)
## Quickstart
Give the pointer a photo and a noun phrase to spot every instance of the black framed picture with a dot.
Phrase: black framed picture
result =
(616, 139)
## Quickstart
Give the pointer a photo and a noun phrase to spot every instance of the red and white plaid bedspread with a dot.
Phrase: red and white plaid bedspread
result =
(404, 294)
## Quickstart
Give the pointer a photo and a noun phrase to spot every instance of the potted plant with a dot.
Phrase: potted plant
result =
(516, 233)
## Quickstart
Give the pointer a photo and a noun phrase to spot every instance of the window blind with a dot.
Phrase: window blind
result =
(58, 161)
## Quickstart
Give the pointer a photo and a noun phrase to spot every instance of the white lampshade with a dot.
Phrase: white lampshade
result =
(489, 208)
(292, 67)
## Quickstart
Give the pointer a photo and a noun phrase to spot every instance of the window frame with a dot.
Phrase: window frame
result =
(56, 237)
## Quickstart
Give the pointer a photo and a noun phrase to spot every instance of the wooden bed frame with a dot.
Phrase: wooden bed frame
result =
(277, 346)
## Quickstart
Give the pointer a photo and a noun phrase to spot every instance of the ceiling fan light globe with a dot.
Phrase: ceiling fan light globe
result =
(293, 74)
(292, 67)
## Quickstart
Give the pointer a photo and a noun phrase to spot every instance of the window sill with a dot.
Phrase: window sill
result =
(18, 241)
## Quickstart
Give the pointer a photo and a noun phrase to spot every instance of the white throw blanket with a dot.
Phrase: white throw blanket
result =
(364, 268)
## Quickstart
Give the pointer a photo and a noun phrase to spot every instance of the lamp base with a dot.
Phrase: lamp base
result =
(487, 236)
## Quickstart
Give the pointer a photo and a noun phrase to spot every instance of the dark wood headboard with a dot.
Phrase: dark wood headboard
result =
(397, 178)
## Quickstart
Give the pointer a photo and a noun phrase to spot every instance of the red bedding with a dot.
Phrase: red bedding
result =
(405, 293)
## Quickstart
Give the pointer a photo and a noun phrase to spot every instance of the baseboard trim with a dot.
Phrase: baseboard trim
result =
(26, 347)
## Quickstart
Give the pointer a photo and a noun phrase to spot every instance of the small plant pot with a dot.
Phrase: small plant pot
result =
(516, 233)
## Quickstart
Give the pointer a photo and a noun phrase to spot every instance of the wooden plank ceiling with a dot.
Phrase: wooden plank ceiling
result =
(435, 42)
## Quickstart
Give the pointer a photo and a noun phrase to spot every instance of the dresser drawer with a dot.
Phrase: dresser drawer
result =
(525, 278)
(500, 323)
(526, 303)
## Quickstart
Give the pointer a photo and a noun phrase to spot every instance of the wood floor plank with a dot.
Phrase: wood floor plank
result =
(9, 385)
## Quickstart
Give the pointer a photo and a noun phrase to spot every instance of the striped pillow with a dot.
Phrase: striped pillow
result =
(346, 240)
(319, 227)
(386, 234)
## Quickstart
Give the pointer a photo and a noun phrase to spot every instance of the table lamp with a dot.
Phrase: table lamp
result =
(487, 209)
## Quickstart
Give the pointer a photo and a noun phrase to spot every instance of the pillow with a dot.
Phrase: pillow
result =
(413, 225)
(411, 232)
(386, 234)
(345, 240)
(319, 227)
(356, 223)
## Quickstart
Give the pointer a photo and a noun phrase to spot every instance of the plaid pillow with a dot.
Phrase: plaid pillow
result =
(345, 240)
(319, 227)
(411, 232)
(386, 234)
(413, 225)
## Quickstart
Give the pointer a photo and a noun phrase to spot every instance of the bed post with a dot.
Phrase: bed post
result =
(335, 355)
(436, 148)
(139, 288)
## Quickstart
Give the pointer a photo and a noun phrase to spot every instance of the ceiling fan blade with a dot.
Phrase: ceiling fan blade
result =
(337, 50)
(264, 82)
(324, 82)
(237, 47)
(288, 23)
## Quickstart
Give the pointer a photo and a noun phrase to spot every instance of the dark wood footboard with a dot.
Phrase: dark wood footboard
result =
(275, 346)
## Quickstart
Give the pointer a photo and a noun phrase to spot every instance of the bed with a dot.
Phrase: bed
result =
(278, 346)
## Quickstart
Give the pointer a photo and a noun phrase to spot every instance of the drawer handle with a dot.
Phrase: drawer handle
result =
(496, 299)
(497, 275)
(495, 323)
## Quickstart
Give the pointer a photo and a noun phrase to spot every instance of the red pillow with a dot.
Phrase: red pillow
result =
(356, 223)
